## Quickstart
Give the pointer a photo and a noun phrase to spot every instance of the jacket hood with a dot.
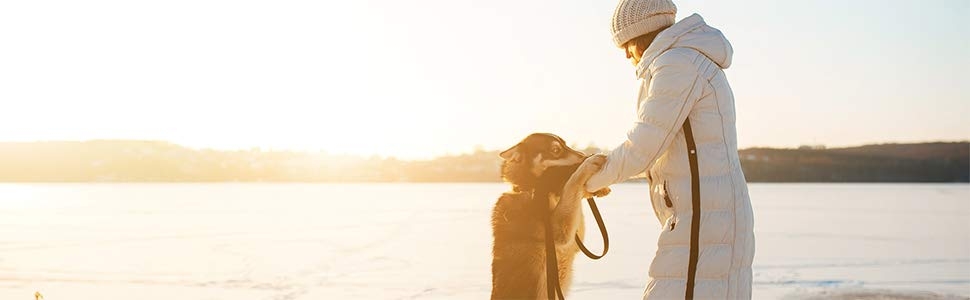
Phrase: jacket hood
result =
(692, 33)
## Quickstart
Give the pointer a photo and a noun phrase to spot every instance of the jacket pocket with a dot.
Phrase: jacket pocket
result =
(667, 201)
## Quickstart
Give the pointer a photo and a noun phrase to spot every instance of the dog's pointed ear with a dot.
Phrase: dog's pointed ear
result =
(511, 153)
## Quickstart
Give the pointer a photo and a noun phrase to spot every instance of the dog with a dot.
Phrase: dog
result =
(548, 179)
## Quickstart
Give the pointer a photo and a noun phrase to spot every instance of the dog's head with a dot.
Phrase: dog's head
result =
(527, 160)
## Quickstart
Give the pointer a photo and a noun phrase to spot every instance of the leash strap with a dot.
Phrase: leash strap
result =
(695, 218)
(552, 263)
(553, 289)
(599, 222)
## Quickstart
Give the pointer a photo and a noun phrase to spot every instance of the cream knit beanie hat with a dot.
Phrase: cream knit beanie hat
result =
(634, 18)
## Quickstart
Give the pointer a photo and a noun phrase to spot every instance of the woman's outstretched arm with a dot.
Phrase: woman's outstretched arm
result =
(671, 94)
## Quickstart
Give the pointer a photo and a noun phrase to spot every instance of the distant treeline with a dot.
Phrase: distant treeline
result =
(151, 161)
(927, 162)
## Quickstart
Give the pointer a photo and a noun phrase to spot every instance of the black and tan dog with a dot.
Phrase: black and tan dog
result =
(547, 180)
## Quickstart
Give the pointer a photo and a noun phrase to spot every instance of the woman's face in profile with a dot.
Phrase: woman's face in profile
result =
(633, 53)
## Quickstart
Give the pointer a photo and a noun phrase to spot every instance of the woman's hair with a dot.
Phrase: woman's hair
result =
(645, 40)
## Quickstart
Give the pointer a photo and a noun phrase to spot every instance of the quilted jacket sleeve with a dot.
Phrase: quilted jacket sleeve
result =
(674, 88)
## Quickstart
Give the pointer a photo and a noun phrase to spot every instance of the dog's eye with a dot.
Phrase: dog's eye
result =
(556, 150)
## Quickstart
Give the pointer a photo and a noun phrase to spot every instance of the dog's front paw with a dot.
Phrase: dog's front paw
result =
(589, 167)
(594, 163)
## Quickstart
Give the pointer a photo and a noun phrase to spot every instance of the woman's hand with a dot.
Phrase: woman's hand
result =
(590, 166)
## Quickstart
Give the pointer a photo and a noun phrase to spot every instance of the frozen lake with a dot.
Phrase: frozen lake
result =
(433, 241)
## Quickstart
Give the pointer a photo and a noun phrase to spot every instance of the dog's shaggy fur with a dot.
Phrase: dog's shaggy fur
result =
(546, 177)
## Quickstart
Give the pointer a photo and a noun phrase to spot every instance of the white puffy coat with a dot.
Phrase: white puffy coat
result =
(681, 77)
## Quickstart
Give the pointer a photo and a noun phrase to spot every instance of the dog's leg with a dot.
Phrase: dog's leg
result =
(575, 189)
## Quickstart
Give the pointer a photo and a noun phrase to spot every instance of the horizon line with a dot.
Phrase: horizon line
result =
(475, 148)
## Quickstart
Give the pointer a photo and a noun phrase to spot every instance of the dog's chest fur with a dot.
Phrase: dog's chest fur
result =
(518, 265)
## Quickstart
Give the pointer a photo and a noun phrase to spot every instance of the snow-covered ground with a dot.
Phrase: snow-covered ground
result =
(432, 241)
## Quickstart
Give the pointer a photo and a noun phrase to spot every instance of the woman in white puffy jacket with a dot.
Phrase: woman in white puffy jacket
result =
(686, 141)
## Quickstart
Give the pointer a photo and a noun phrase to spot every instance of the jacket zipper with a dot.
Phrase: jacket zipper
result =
(695, 224)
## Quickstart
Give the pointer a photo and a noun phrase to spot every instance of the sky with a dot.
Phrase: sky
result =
(417, 79)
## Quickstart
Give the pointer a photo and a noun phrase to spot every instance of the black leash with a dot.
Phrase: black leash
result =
(599, 222)
(553, 289)
(552, 263)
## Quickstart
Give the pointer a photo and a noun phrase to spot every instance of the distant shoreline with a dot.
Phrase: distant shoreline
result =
(428, 182)
(151, 161)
